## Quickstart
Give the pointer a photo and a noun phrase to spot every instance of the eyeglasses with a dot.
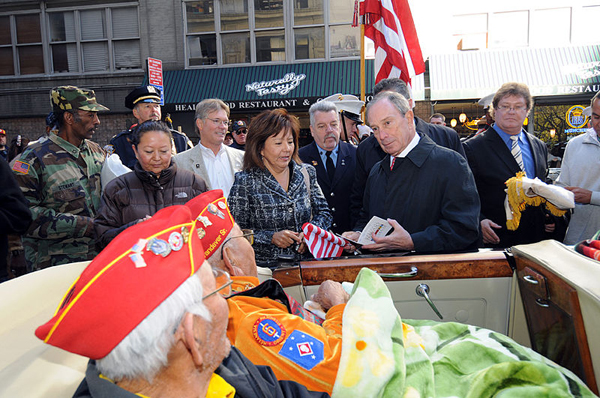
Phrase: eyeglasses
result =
(223, 282)
(240, 132)
(219, 121)
(246, 233)
(517, 108)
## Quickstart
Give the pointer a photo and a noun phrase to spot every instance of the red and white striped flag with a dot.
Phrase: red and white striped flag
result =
(390, 25)
(321, 243)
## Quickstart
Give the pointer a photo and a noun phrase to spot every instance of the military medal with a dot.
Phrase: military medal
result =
(158, 246)
(176, 241)
(201, 233)
(212, 209)
(204, 220)
(185, 233)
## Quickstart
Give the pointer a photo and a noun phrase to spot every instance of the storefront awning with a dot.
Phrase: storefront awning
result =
(547, 71)
(292, 86)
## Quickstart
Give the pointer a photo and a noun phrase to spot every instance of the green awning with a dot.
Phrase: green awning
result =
(279, 82)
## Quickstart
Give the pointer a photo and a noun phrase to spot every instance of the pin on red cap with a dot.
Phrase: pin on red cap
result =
(214, 220)
(136, 272)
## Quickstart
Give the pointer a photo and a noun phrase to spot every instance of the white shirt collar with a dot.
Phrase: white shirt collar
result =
(413, 143)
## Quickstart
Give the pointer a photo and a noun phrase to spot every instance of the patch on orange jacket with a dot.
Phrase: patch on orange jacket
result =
(268, 331)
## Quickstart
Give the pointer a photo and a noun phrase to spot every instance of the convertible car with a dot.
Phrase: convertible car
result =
(544, 296)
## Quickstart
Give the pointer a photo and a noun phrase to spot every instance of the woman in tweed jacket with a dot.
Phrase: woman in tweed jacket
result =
(273, 195)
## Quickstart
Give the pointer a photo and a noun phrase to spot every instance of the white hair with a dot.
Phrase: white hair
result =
(143, 352)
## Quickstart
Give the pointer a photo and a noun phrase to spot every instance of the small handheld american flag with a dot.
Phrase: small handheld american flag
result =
(321, 243)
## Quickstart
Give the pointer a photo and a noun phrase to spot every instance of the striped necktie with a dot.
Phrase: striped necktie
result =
(516, 151)
(393, 162)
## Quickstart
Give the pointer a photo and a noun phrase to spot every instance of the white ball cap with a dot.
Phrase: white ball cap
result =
(346, 102)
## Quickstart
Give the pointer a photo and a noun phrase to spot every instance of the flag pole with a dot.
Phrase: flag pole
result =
(361, 22)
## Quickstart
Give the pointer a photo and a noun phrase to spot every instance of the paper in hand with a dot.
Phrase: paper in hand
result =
(377, 226)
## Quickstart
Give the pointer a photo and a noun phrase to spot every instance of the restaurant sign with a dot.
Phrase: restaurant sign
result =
(278, 86)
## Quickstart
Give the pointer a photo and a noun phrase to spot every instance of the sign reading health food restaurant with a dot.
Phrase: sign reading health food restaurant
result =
(281, 86)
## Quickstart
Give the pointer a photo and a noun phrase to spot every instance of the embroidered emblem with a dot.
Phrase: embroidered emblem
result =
(222, 205)
(303, 349)
(21, 167)
(158, 246)
(181, 195)
(185, 233)
(201, 233)
(176, 241)
(204, 220)
(268, 331)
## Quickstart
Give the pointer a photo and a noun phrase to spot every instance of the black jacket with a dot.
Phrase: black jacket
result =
(492, 165)
(249, 381)
(132, 196)
(336, 192)
(369, 152)
(15, 215)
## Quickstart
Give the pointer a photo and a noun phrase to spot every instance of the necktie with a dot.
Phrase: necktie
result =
(329, 165)
(393, 162)
(516, 151)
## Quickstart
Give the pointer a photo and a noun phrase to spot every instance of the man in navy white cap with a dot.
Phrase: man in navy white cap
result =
(145, 103)
(240, 132)
(349, 107)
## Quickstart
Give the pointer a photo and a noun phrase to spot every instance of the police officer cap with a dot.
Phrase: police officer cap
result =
(349, 105)
(142, 94)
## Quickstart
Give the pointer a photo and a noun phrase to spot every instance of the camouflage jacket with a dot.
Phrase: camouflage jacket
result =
(62, 184)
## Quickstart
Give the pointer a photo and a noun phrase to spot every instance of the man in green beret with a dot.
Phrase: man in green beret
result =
(60, 178)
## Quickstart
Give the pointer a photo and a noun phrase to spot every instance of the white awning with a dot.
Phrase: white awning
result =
(547, 71)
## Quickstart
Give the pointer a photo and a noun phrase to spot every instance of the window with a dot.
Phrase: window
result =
(509, 29)
(257, 31)
(84, 41)
(102, 39)
(471, 31)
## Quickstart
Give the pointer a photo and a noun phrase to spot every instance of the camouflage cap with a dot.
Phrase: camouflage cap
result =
(66, 98)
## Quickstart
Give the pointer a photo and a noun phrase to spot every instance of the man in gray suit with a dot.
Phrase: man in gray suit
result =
(215, 162)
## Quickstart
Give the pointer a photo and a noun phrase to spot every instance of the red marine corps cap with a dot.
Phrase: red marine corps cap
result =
(136, 272)
(213, 219)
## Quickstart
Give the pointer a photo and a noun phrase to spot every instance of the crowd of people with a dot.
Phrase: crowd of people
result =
(438, 194)
(213, 212)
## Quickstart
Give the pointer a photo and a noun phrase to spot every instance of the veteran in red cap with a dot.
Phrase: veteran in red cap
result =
(256, 307)
(150, 314)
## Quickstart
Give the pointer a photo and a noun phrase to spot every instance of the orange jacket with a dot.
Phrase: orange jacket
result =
(267, 334)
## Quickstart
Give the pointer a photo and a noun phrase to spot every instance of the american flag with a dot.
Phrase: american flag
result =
(21, 167)
(321, 243)
(390, 25)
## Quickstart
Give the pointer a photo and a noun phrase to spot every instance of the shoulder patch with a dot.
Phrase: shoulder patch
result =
(303, 349)
(268, 331)
(21, 167)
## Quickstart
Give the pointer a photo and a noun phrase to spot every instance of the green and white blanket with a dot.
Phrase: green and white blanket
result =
(385, 357)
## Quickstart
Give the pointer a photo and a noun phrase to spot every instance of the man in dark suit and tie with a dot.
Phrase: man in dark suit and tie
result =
(369, 152)
(499, 153)
(334, 160)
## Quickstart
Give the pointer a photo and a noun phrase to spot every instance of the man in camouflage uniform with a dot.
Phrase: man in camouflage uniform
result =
(60, 177)
(144, 101)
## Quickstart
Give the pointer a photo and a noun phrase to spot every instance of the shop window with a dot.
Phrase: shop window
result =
(270, 46)
(308, 12)
(344, 41)
(268, 13)
(310, 43)
(236, 48)
(202, 50)
(234, 15)
(509, 29)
